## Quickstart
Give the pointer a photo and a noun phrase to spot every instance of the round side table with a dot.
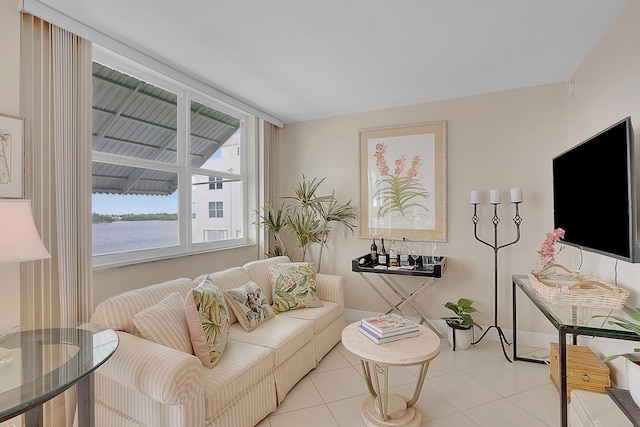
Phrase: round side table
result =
(382, 408)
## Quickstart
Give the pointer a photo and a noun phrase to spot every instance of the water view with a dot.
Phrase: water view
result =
(121, 236)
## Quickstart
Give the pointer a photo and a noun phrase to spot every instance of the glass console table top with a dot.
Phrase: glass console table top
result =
(37, 365)
(577, 318)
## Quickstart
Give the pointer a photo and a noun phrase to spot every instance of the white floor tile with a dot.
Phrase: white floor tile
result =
(468, 388)
(503, 413)
(316, 416)
(339, 384)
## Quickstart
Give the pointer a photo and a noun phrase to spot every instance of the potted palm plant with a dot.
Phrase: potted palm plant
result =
(461, 325)
(307, 218)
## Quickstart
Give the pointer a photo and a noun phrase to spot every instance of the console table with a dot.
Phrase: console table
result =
(389, 275)
(568, 320)
(29, 379)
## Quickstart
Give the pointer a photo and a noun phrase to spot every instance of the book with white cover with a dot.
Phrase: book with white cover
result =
(400, 336)
(389, 323)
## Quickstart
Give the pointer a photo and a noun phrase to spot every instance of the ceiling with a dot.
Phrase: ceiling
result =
(301, 60)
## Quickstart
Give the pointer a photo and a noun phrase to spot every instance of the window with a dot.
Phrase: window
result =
(216, 210)
(215, 183)
(158, 150)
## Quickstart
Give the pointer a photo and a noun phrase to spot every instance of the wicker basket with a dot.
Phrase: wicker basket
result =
(571, 288)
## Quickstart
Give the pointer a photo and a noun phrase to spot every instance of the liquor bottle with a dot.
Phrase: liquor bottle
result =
(393, 255)
(382, 256)
(374, 252)
(404, 253)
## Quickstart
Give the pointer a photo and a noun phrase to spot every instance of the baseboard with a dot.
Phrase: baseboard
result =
(525, 338)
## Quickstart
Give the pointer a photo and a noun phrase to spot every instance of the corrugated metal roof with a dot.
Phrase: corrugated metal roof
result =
(135, 119)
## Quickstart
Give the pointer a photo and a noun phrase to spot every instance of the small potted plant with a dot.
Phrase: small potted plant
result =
(461, 325)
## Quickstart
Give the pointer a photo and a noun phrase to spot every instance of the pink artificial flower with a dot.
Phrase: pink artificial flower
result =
(547, 250)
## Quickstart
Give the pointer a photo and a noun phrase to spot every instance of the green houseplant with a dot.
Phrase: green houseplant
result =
(633, 359)
(307, 217)
(461, 325)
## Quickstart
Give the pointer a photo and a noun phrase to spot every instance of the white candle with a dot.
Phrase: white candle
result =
(476, 197)
(516, 195)
(494, 196)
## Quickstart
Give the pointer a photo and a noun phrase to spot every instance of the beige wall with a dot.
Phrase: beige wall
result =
(499, 140)
(112, 281)
(608, 89)
(10, 104)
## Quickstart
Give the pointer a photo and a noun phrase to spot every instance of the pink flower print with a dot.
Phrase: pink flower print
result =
(381, 162)
(413, 170)
(400, 164)
(289, 282)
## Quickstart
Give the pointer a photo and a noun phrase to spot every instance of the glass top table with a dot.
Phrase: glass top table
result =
(569, 320)
(37, 365)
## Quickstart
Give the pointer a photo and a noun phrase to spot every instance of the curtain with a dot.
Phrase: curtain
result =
(56, 106)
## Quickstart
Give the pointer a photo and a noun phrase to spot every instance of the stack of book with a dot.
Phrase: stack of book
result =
(388, 327)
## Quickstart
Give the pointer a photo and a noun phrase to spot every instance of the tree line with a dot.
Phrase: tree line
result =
(107, 219)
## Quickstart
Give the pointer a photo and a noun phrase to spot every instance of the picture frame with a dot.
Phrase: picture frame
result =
(11, 147)
(403, 182)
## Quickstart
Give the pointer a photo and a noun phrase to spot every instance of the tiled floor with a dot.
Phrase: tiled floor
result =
(473, 387)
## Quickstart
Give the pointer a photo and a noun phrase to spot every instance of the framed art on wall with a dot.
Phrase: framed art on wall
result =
(11, 130)
(403, 182)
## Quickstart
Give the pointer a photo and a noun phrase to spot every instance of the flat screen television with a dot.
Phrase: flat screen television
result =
(594, 193)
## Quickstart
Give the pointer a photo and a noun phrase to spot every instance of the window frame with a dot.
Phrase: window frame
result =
(185, 95)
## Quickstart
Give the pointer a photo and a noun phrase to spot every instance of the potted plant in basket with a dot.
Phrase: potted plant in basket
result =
(632, 359)
(461, 325)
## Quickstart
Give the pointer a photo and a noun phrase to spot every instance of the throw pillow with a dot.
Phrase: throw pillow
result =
(165, 323)
(249, 304)
(208, 321)
(294, 286)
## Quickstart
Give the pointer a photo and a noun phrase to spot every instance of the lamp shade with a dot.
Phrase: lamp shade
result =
(19, 239)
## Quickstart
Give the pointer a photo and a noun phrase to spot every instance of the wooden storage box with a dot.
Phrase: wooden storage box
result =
(585, 371)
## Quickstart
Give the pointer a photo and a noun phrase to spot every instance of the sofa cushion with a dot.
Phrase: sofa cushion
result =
(294, 286)
(285, 336)
(249, 304)
(166, 323)
(320, 316)
(208, 321)
(259, 271)
(243, 366)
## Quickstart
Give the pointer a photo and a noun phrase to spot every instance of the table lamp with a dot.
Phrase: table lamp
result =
(19, 239)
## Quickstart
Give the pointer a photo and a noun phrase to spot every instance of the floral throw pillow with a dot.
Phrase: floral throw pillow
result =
(208, 321)
(249, 304)
(294, 286)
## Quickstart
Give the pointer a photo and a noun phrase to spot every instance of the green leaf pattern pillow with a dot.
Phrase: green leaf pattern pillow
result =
(294, 286)
(208, 322)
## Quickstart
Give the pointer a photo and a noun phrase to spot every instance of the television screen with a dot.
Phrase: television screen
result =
(594, 193)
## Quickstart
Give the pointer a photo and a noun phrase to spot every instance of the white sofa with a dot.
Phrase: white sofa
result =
(149, 384)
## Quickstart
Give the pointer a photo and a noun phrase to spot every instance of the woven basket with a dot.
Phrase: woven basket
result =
(570, 288)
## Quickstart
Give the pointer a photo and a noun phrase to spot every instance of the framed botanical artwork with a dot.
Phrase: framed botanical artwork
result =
(11, 129)
(403, 182)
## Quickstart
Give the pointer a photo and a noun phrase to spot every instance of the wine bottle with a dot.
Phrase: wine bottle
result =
(404, 253)
(382, 256)
(374, 252)
(393, 255)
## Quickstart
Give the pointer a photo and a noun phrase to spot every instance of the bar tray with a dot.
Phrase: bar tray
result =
(367, 267)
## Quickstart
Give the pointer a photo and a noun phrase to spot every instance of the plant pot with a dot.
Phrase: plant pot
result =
(460, 338)
(633, 380)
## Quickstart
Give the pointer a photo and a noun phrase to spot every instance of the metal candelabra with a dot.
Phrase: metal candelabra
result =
(517, 220)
